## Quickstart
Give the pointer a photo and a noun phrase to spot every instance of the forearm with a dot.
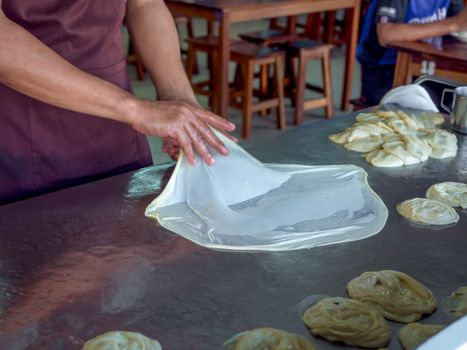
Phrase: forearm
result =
(32, 68)
(155, 37)
(389, 33)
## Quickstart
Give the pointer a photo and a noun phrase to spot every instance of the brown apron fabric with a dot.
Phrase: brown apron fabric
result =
(43, 148)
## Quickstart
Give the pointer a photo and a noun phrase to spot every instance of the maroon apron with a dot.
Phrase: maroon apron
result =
(43, 148)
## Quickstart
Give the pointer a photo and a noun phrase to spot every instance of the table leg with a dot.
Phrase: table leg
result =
(223, 66)
(352, 39)
(402, 74)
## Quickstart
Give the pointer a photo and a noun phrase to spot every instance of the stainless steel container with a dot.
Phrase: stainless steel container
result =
(458, 109)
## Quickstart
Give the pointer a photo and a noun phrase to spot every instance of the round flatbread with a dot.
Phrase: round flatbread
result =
(119, 340)
(428, 212)
(396, 295)
(414, 334)
(450, 193)
(455, 305)
(349, 321)
(268, 338)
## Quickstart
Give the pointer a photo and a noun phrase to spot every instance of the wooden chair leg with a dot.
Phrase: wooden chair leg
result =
(263, 84)
(247, 67)
(300, 90)
(279, 83)
(327, 87)
(190, 63)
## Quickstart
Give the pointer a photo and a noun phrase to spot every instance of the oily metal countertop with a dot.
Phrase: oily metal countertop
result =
(85, 260)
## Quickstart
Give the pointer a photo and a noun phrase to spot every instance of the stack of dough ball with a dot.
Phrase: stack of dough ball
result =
(450, 193)
(455, 305)
(268, 338)
(397, 296)
(414, 334)
(118, 340)
(349, 321)
(427, 212)
(394, 139)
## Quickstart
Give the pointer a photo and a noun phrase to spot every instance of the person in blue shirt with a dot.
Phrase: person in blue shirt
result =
(388, 21)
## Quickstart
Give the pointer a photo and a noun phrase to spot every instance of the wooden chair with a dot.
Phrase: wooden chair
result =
(305, 50)
(247, 56)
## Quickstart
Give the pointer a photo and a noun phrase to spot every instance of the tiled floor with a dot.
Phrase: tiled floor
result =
(262, 126)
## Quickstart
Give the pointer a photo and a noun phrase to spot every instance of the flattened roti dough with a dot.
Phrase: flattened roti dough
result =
(414, 334)
(268, 338)
(428, 212)
(349, 321)
(119, 340)
(455, 305)
(450, 193)
(396, 295)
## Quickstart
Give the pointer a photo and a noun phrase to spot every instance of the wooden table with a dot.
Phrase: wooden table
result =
(227, 12)
(445, 57)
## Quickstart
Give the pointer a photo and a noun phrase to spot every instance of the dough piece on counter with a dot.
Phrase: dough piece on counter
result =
(364, 145)
(397, 148)
(416, 147)
(414, 334)
(380, 158)
(349, 321)
(396, 295)
(267, 338)
(428, 120)
(455, 305)
(451, 193)
(443, 144)
(408, 121)
(119, 340)
(427, 212)
(340, 138)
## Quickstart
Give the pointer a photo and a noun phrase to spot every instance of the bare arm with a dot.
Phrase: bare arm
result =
(389, 33)
(32, 68)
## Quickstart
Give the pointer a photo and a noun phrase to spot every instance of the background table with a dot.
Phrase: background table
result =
(85, 260)
(227, 12)
(448, 54)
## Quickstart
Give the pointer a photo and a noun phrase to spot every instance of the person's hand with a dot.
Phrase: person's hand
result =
(461, 20)
(186, 124)
(171, 147)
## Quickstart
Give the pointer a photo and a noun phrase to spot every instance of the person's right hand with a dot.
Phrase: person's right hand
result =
(187, 123)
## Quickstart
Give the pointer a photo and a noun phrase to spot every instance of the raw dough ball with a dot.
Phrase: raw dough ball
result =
(451, 193)
(428, 212)
(414, 334)
(349, 321)
(118, 340)
(455, 305)
(397, 296)
(268, 338)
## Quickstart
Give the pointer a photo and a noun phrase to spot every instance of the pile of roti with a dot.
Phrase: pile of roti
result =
(395, 139)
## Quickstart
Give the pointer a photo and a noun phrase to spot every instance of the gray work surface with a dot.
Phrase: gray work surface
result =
(85, 260)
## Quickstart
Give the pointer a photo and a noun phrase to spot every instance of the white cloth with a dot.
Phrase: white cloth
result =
(410, 96)
(242, 204)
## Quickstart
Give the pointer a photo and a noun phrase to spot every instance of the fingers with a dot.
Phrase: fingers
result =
(199, 144)
(214, 120)
(211, 139)
(185, 143)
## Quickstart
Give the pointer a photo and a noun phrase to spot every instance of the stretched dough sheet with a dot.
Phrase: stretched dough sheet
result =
(241, 204)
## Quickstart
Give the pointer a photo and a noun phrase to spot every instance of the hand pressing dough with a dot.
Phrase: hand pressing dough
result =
(118, 340)
(414, 334)
(268, 338)
(427, 212)
(455, 305)
(450, 193)
(348, 321)
(396, 295)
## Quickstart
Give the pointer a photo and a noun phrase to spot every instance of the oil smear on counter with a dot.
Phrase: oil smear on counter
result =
(242, 204)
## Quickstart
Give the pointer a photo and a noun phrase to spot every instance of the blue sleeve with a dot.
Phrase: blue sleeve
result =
(393, 11)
